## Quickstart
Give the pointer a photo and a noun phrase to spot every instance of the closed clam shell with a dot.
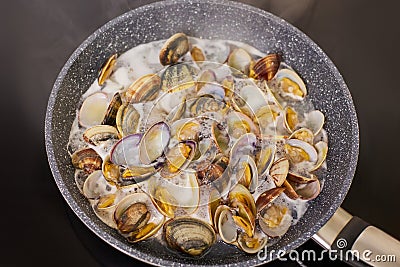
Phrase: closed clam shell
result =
(206, 76)
(189, 235)
(174, 48)
(179, 77)
(197, 54)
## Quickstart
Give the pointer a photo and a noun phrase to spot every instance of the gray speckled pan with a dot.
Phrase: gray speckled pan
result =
(207, 19)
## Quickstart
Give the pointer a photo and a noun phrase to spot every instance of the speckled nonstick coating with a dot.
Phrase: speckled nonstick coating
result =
(207, 19)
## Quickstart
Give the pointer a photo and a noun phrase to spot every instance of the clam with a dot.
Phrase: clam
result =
(266, 116)
(212, 89)
(93, 110)
(291, 119)
(226, 225)
(241, 195)
(146, 88)
(321, 136)
(179, 195)
(206, 76)
(221, 137)
(178, 158)
(214, 202)
(228, 84)
(309, 190)
(97, 186)
(86, 159)
(210, 173)
(111, 113)
(189, 235)
(299, 151)
(303, 134)
(107, 69)
(111, 171)
(137, 218)
(245, 145)
(300, 179)
(306, 190)
(98, 134)
(205, 104)
(186, 129)
(279, 170)
(275, 220)
(174, 48)
(314, 121)
(126, 153)
(246, 173)
(265, 156)
(290, 84)
(249, 99)
(252, 244)
(177, 112)
(267, 67)
(240, 59)
(322, 150)
(239, 124)
(127, 119)
(268, 197)
(197, 54)
(178, 77)
(154, 142)
(105, 208)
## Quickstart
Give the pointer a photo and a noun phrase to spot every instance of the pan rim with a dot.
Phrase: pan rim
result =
(158, 261)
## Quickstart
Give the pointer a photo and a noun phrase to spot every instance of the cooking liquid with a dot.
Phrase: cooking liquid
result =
(144, 59)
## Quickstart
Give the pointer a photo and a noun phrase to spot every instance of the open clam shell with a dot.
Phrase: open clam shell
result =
(303, 134)
(291, 119)
(127, 120)
(107, 69)
(290, 84)
(137, 218)
(279, 170)
(239, 124)
(93, 110)
(189, 235)
(275, 220)
(154, 142)
(178, 158)
(179, 195)
(314, 121)
(246, 173)
(252, 244)
(97, 186)
(322, 150)
(145, 88)
(112, 110)
(86, 159)
(241, 195)
(240, 59)
(100, 133)
(268, 197)
(299, 151)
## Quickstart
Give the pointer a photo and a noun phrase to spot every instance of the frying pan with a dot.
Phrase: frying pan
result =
(219, 20)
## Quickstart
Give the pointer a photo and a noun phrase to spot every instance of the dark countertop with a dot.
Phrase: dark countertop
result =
(361, 37)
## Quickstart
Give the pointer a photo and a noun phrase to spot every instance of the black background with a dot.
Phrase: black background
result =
(361, 37)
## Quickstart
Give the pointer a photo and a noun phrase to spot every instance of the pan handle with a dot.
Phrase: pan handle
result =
(349, 235)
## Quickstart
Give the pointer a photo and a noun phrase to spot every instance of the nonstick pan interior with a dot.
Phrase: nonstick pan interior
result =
(220, 20)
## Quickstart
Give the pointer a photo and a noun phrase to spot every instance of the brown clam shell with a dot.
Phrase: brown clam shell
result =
(267, 67)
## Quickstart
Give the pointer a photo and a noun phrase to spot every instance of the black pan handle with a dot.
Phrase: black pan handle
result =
(351, 238)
